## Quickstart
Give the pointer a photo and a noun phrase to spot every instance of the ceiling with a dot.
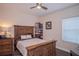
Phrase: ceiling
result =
(25, 7)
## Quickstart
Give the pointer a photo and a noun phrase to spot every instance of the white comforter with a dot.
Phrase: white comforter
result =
(21, 45)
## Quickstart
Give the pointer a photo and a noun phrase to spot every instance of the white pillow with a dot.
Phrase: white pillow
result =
(29, 36)
(23, 36)
(26, 36)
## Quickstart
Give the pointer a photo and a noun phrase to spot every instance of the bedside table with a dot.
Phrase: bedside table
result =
(6, 46)
(38, 36)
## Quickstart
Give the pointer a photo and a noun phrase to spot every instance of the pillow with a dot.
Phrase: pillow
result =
(23, 36)
(29, 36)
(26, 36)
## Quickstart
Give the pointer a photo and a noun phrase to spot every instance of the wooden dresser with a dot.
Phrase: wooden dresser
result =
(6, 47)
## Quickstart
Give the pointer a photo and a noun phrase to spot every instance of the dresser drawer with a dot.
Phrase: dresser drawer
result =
(1, 48)
(5, 53)
(6, 46)
(7, 49)
(4, 42)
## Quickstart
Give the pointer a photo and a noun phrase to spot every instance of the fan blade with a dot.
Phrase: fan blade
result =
(44, 7)
(33, 7)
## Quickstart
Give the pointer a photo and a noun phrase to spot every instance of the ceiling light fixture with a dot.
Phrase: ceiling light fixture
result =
(38, 7)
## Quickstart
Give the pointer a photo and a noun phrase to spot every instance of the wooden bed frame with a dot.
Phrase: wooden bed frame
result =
(43, 49)
(22, 30)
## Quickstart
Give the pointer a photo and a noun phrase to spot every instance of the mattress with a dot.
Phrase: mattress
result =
(21, 45)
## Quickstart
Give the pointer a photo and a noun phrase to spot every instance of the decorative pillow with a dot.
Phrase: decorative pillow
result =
(23, 36)
(29, 36)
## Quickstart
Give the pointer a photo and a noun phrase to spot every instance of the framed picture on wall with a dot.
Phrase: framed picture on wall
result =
(49, 25)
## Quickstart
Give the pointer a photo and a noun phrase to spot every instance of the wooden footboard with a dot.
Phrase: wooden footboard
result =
(43, 49)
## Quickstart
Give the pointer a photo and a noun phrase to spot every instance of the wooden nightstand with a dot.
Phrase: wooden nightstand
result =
(38, 36)
(6, 46)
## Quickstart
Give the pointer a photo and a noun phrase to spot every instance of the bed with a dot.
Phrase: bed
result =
(33, 46)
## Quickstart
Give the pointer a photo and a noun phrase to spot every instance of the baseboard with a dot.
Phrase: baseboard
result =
(63, 49)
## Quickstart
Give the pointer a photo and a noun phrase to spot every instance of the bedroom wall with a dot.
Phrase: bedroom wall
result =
(10, 16)
(56, 32)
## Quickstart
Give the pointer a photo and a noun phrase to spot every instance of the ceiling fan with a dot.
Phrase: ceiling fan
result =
(39, 6)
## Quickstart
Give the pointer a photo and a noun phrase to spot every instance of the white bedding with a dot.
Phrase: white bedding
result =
(21, 45)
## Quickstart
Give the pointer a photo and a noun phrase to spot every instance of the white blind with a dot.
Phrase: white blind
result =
(70, 29)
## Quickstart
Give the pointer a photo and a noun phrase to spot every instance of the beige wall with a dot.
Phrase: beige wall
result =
(56, 32)
(12, 16)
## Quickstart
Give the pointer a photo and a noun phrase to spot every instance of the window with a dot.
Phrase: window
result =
(70, 29)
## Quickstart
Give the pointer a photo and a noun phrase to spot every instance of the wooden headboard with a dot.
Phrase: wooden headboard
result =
(22, 30)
